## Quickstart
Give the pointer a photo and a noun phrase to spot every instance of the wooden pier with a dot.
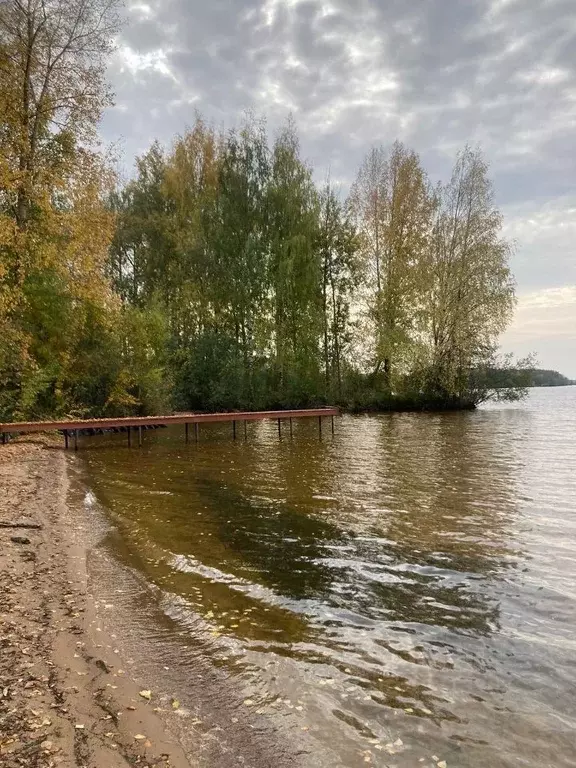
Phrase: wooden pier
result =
(70, 428)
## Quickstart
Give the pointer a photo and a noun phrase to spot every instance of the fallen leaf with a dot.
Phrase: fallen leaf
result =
(79, 727)
(146, 695)
(175, 704)
(139, 737)
(441, 764)
(248, 702)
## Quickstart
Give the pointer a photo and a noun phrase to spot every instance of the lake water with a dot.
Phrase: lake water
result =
(399, 594)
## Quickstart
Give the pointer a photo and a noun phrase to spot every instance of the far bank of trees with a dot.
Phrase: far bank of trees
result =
(222, 275)
(546, 378)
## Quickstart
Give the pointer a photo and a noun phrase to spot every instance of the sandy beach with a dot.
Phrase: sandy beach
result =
(64, 701)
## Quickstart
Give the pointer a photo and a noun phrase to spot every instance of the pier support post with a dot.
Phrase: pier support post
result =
(196, 430)
(234, 429)
(66, 439)
(332, 424)
(3, 438)
(186, 431)
(320, 427)
(129, 437)
(290, 426)
(245, 430)
(139, 437)
(75, 439)
(279, 429)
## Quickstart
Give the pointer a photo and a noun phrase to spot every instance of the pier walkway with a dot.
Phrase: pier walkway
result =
(72, 427)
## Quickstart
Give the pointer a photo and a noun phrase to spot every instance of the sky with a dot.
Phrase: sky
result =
(436, 74)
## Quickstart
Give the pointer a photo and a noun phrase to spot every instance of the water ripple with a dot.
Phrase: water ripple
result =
(407, 588)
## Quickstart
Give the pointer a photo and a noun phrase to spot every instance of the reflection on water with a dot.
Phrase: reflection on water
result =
(405, 591)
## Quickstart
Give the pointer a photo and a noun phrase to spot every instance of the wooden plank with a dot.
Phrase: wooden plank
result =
(139, 421)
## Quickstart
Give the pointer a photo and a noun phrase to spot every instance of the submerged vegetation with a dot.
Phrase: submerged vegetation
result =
(221, 275)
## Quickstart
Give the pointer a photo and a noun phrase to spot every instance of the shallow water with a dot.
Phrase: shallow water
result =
(400, 594)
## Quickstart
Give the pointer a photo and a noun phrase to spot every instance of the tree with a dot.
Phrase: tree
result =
(190, 189)
(54, 228)
(294, 272)
(52, 70)
(142, 252)
(238, 245)
(392, 205)
(471, 291)
(338, 244)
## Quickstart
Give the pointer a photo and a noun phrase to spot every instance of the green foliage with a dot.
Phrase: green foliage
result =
(545, 378)
(220, 276)
(276, 294)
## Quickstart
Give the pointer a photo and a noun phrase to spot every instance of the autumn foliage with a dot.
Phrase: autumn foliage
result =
(221, 275)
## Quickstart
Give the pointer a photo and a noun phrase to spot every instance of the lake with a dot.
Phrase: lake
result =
(402, 593)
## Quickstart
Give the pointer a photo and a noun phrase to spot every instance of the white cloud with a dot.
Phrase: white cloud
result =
(136, 62)
(545, 237)
(541, 314)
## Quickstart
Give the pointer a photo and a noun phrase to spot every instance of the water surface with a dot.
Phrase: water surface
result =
(403, 593)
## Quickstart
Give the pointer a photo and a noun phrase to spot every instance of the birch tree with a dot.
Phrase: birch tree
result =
(471, 290)
(238, 244)
(294, 270)
(53, 59)
(338, 245)
(54, 228)
(392, 205)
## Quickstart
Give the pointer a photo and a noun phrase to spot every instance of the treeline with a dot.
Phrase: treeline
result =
(221, 275)
(540, 377)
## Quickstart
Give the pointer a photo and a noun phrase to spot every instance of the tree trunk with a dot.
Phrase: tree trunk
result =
(336, 342)
(325, 319)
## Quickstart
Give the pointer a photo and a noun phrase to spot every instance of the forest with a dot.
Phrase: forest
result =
(545, 378)
(222, 274)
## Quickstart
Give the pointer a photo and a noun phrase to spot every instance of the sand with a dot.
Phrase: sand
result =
(64, 701)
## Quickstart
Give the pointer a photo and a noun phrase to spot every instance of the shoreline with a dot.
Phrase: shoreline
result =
(79, 686)
(64, 701)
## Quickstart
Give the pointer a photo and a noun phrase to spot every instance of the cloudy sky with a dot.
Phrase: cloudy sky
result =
(354, 73)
